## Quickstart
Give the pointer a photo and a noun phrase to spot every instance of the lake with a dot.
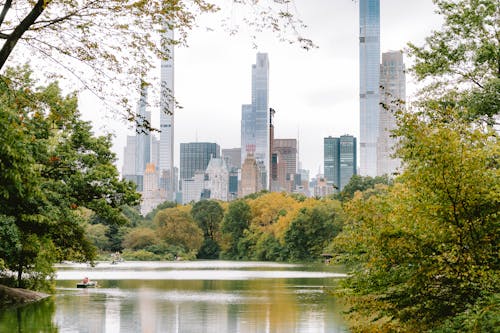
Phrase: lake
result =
(197, 296)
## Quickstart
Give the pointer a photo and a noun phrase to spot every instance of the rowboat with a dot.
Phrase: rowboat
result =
(90, 284)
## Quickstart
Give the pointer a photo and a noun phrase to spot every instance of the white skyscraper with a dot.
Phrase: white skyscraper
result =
(143, 138)
(392, 93)
(369, 80)
(166, 153)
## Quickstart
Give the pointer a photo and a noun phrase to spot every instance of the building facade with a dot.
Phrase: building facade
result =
(143, 139)
(255, 118)
(347, 157)
(128, 170)
(217, 179)
(339, 160)
(331, 160)
(192, 188)
(152, 195)
(286, 164)
(392, 97)
(232, 156)
(167, 105)
(250, 177)
(369, 80)
(195, 156)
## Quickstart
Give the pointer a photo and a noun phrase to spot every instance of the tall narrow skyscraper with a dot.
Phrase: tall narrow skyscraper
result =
(143, 139)
(166, 154)
(331, 161)
(392, 94)
(348, 151)
(255, 120)
(369, 80)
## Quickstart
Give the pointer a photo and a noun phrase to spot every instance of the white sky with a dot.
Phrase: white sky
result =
(315, 92)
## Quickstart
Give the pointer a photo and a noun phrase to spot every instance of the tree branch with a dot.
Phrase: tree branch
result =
(12, 40)
(5, 9)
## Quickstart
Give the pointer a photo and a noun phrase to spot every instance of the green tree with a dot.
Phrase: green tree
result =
(208, 215)
(312, 230)
(177, 227)
(361, 183)
(464, 53)
(167, 204)
(236, 221)
(140, 238)
(51, 166)
(96, 233)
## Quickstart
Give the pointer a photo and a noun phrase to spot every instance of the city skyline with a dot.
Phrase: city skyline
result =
(315, 93)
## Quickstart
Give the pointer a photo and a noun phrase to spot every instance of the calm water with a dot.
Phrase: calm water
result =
(201, 296)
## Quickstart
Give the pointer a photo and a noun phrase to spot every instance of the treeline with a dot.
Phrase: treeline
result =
(263, 226)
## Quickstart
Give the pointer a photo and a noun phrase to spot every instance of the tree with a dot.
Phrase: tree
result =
(236, 221)
(177, 227)
(51, 166)
(312, 230)
(208, 215)
(97, 42)
(140, 238)
(464, 53)
(167, 204)
(361, 183)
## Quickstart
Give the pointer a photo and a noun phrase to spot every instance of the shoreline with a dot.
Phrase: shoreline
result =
(18, 296)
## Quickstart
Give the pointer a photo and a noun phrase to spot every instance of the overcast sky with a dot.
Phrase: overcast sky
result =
(315, 92)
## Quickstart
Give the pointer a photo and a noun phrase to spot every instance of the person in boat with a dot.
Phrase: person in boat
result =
(85, 280)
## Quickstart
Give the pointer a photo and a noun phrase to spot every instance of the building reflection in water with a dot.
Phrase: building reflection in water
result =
(255, 308)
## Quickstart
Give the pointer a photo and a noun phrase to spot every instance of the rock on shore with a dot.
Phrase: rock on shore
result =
(13, 296)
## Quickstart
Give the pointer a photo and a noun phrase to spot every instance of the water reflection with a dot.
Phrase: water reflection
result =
(291, 299)
(36, 317)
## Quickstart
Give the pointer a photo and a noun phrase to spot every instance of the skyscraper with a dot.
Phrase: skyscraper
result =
(392, 93)
(331, 160)
(166, 154)
(217, 179)
(232, 156)
(247, 131)
(143, 139)
(195, 156)
(128, 170)
(286, 151)
(255, 120)
(369, 80)
(339, 160)
(250, 176)
(347, 157)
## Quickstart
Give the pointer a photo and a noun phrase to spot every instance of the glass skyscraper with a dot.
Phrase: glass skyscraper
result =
(195, 156)
(339, 160)
(392, 94)
(143, 139)
(255, 118)
(331, 160)
(166, 154)
(347, 157)
(369, 80)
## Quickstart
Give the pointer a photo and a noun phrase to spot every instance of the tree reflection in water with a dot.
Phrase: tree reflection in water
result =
(37, 317)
